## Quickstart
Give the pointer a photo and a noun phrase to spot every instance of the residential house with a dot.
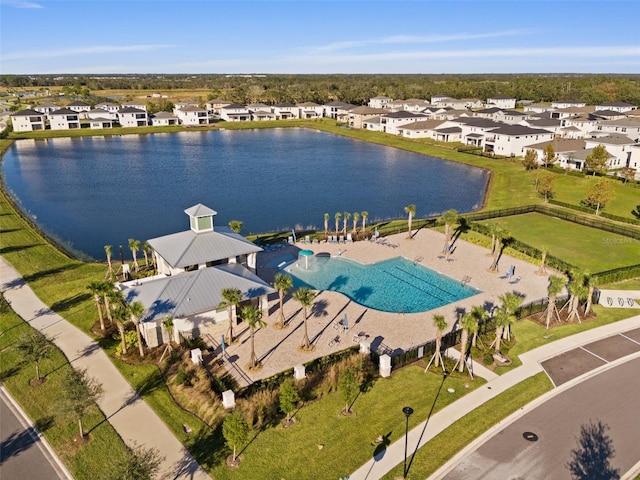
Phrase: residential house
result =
(28, 120)
(184, 104)
(164, 119)
(421, 129)
(235, 112)
(379, 102)
(338, 110)
(567, 104)
(391, 121)
(47, 108)
(285, 111)
(100, 113)
(623, 126)
(134, 104)
(510, 140)
(584, 123)
(112, 108)
(492, 112)
(537, 108)
(359, 114)
(410, 105)
(621, 107)
(310, 110)
(570, 112)
(501, 101)
(473, 130)
(263, 115)
(438, 97)
(82, 108)
(568, 152)
(552, 124)
(619, 146)
(634, 160)
(64, 119)
(215, 105)
(194, 266)
(99, 123)
(132, 117)
(192, 116)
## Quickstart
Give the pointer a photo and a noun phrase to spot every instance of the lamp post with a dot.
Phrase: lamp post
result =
(407, 412)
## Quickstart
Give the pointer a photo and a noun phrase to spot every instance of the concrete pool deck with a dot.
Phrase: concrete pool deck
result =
(278, 349)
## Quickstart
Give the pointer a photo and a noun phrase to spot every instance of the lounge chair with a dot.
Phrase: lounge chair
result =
(341, 240)
(334, 341)
(307, 239)
(349, 238)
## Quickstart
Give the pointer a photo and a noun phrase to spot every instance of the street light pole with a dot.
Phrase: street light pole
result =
(407, 412)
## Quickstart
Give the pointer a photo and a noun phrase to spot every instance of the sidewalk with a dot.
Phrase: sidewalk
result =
(132, 418)
(422, 433)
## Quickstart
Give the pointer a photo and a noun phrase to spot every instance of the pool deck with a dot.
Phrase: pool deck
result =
(278, 349)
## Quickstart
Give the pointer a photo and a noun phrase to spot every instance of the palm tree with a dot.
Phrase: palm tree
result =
(135, 311)
(235, 226)
(337, 218)
(108, 297)
(345, 219)
(356, 217)
(108, 250)
(121, 317)
(543, 267)
(282, 283)
(480, 314)
(134, 245)
(441, 324)
(591, 283)
(96, 288)
(365, 216)
(305, 297)
(326, 225)
(449, 218)
(556, 284)
(576, 291)
(494, 229)
(232, 298)
(411, 210)
(469, 326)
(510, 303)
(503, 320)
(501, 234)
(253, 317)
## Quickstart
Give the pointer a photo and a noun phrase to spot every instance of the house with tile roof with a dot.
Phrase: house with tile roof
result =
(132, 117)
(192, 115)
(511, 140)
(568, 152)
(337, 110)
(82, 108)
(235, 112)
(380, 101)
(194, 266)
(358, 115)
(47, 108)
(390, 122)
(164, 119)
(64, 119)
(28, 121)
(619, 146)
(310, 110)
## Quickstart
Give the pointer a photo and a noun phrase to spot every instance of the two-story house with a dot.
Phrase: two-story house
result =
(192, 115)
(64, 119)
(132, 117)
(28, 120)
(235, 113)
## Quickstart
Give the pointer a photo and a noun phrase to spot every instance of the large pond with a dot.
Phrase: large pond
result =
(92, 191)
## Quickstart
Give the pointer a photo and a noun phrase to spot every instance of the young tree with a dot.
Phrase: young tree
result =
(545, 186)
(549, 155)
(596, 161)
(139, 463)
(469, 327)
(480, 315)
(232, 298)
(146, 251)
(136, 310)
(82, 392)
(501, 234)
(411, 210)
(556, 284)
(34, 347)
(235, 226)
(591, 459)
(441, 324)
(503, 320)
(448, 218)
(253, 317)
(235, 431)
(511, 301)
(346, 216)
(599, 194)
(337, 218)
(365, 216)
(305, 297)
(348, 386)
(282, 283)
(590, 283)
(530, 160)
(96, 288)
(108, 250)
(627, 173)
(577, 290)
(543, 267)
(289, 397)
(326, 225)
(134, 246)
(356, 217)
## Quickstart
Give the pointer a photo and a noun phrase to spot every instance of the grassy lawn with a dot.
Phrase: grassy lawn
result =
(449, 442)
(633, 284)
(347, 441)
(585, 247)
(86, 461)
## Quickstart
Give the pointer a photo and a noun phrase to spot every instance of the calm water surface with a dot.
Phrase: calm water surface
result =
(92, 191)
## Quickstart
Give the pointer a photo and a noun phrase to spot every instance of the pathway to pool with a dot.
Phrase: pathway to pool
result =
(278, 349)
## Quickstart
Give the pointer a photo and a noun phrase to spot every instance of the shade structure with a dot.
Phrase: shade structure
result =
(305, 254)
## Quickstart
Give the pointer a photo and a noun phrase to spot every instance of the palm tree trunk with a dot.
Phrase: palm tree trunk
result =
(306, 334)
(100, 315)
(122, 339)
(139, 334)
(463, 349)
(230, 330)
(542, 269)
(587, 307)
(281, 295)
(498, 338)
(37, 371)
(438, 346)
(550, 308)
(107, 307)
(80, 426)
(253, 361)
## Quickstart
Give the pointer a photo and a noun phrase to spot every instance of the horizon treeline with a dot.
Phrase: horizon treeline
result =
(355, 89)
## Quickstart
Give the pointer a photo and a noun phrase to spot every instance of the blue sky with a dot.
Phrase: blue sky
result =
(327, 36)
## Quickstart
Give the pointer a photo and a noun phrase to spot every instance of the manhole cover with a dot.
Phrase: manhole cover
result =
(532, 437)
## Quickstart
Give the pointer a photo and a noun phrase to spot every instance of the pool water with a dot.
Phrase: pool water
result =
(394, 285)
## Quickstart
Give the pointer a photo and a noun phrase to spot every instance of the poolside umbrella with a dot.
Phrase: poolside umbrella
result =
(375, 233)
(345, 322)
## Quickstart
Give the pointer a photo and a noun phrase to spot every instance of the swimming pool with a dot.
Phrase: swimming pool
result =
(394, 285)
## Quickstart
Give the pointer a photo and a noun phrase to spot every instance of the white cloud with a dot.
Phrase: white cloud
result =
(89, 50)
(413, 39)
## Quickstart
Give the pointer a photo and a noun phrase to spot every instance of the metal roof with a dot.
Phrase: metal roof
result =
(200, 210)
(194, 292)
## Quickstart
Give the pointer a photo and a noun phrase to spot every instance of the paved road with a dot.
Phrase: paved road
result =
(611, 397)
(23, 453)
